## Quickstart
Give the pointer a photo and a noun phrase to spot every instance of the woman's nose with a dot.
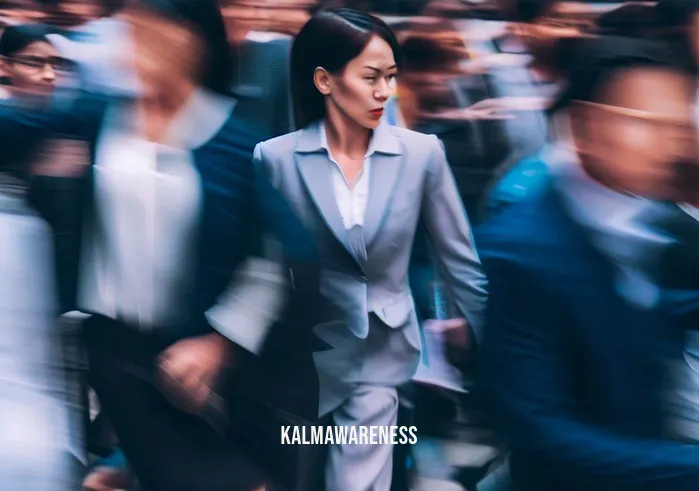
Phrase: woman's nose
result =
(383, 91)
(48, 74)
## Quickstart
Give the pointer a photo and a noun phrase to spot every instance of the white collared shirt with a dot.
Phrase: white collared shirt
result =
(147, 205)
(140, 252)
(351, 200)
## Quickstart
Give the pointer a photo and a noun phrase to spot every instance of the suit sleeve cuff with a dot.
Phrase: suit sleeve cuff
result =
(251, 305)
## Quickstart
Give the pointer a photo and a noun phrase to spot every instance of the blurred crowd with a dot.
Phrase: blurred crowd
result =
(222, 218)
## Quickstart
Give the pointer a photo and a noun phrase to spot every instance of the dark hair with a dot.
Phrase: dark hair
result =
(527, 10)
(204, 16)
(593, 62)
(330, 39)
(677, 12)
(15, 38)
(631, 20)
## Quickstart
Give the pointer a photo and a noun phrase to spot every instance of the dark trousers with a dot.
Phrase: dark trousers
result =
(170, 450)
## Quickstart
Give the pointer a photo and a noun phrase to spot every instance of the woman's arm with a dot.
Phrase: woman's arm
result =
(449, 231)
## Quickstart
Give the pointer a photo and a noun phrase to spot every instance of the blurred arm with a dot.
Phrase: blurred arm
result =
(261, 290)
(527, 370)
(447, 225)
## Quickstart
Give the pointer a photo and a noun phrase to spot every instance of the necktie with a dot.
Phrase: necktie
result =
(676, 267)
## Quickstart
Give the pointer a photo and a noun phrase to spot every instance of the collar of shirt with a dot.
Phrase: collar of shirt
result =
(324, 141)
(614, 224)
(612, 217)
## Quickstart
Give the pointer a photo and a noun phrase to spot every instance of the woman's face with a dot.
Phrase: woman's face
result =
(33, 70)
(361, 90)
(165, 53)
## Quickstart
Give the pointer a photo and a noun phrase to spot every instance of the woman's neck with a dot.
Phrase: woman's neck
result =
(345, 137)
(158, 108)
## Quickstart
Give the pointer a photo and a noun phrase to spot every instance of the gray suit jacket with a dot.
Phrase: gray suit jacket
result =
(410, 184)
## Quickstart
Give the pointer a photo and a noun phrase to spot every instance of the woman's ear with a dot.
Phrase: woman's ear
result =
(321, 79)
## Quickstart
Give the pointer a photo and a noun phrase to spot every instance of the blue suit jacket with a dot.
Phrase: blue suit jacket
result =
(239, 207)
(573, 372)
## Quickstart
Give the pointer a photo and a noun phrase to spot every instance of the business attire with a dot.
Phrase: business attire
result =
(676, 272)
(369, 342)
(575, 353)
(34, 432)
(166, 227)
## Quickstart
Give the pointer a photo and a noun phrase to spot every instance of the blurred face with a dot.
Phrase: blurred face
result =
(76, 12)
(360, 91)
(33, 70)
(643, 139)
(265, 16)
(21, 12)
(164, 53)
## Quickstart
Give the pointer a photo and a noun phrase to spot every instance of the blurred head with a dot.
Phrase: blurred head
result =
(76, 12)
(539, 25)
(30, 62)
(288, 17)
(16, 12)
(176, 41)
(631, 108)
(70, 14)
(435, 47)
(343, 64)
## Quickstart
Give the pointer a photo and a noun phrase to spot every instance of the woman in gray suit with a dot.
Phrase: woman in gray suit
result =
(364, 187)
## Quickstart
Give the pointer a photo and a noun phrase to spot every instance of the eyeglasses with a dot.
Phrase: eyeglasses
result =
(38, 63)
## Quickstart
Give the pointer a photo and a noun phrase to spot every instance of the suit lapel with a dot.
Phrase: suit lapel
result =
(315, 170)
(384, 176)
(387, 164)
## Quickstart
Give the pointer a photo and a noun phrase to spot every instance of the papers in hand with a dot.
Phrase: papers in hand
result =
(434, 368)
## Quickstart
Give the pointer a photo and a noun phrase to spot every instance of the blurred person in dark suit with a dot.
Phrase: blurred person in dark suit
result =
(678, 268)
(577, 340)
(174, 209)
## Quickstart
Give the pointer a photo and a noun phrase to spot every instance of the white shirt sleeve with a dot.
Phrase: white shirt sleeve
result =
(253, 301)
